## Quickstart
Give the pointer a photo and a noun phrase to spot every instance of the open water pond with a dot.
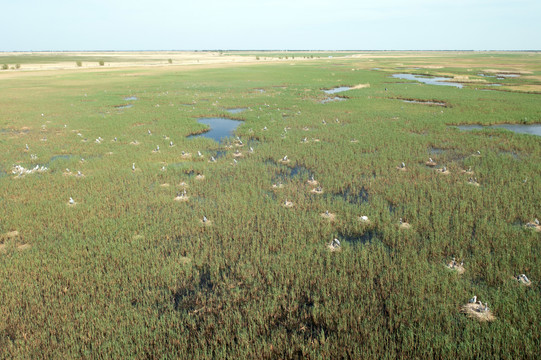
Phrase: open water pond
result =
(534, 129)
(220, 128)
(432, 80)
(337, 90)
(235, 110)
(328, 100)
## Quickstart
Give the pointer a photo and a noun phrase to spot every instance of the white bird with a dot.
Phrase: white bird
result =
(536, 221)
(133, 166)
(403, 165)
(149, 132)
(26, 146)
(430, 159)
(170, 143)
(157, 147)
(327, 213)
(212, 159)
(235, 161)
(204, 219)
(68, 170)
(72, 201)
(199, 153)
(525, 278)
(251, 149)
(284, 158)
(335, 243)
(364, 218)
(473, 300)
(265, 128)
(478, 152)
(115, 138)
(79, 173)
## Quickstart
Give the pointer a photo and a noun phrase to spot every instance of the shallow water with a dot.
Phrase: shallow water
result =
(235, 110)
(428, 80)
(534, 129)
(424, 102)
(127, 106)
(220, 128)
(60, 157)
(328, 100)
(130, 98)
(337, 90)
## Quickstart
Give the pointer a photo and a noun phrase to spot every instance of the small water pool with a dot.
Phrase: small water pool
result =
(235, 110)
(337, 90)
(430, 80)
(220, 128)
(534, 129)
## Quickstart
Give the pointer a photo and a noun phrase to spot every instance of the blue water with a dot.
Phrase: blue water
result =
(337, 90)
(428, 80)
(220, 128)
(235, 110)
(130, 98)
(534, 129)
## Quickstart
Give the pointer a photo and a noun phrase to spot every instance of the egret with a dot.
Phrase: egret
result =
(536, 221)
(525, 278)
(133, 166)
(284, 158)
(403, 165)
(199, 153)
(115, 138)
(430, 159)
(170, 143)
(68, 170)
(149, 132)
(364, 218)
(251, 149)
(473, 300)
(444, 169)
(212, 159)
(235, 161)
(72, 201)
(478, 152)
(335, 243)
(204, 219)
(26, 146)
(327, 213)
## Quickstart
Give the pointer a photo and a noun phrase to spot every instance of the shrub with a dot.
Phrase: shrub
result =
(170, 61)
(18, 66)
(79, 63)
(101, 62)
(5, 67)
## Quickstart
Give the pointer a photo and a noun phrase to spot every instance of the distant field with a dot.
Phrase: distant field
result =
(177, 247)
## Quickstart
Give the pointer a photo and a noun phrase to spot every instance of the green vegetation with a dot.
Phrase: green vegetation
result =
(128, 272)
(79, 63)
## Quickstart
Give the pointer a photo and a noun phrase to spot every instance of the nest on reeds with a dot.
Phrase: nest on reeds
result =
(431, 163)
(287, 161)
(237, 154)
(333, 247)
(164, 185)
(477, 311)
(453, 265)
(534, 226)
(182, 198)
(328, 215)
(186, 155)
(443, 171)
(401, 168)
(317, 191)
(404, 225)
(200, 177)
(287, 204)
(313, 182)
(364, 219)
(135, 142)
(523, 279)
(205, 222)
(277, 186)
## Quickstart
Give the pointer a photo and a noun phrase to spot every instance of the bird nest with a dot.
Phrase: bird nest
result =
(282, 161)
(534, 226)
(313, 182)
(164, 185)
(328, 215)
(400, 168)
(237, 154)
(477, 311)
(277, 186)
(205, 223)
(135, 143)
(186, 156)
(405, 225)
(431, 163)
(288, 204)
(442, 171)
(523, 281)
(333, 248)
(317, 191)
(200, 177)
(182, 198)
(453, 265)
(364, 220)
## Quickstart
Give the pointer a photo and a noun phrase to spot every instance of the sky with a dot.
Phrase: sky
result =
(77, 25)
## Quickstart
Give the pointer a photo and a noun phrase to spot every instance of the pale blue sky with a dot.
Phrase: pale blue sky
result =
(274, 24)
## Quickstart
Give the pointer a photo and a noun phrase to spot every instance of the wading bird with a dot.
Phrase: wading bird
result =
(473, 300)
(133, 166)
(72, 201)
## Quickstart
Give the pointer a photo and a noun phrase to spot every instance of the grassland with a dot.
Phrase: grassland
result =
(128, 272)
